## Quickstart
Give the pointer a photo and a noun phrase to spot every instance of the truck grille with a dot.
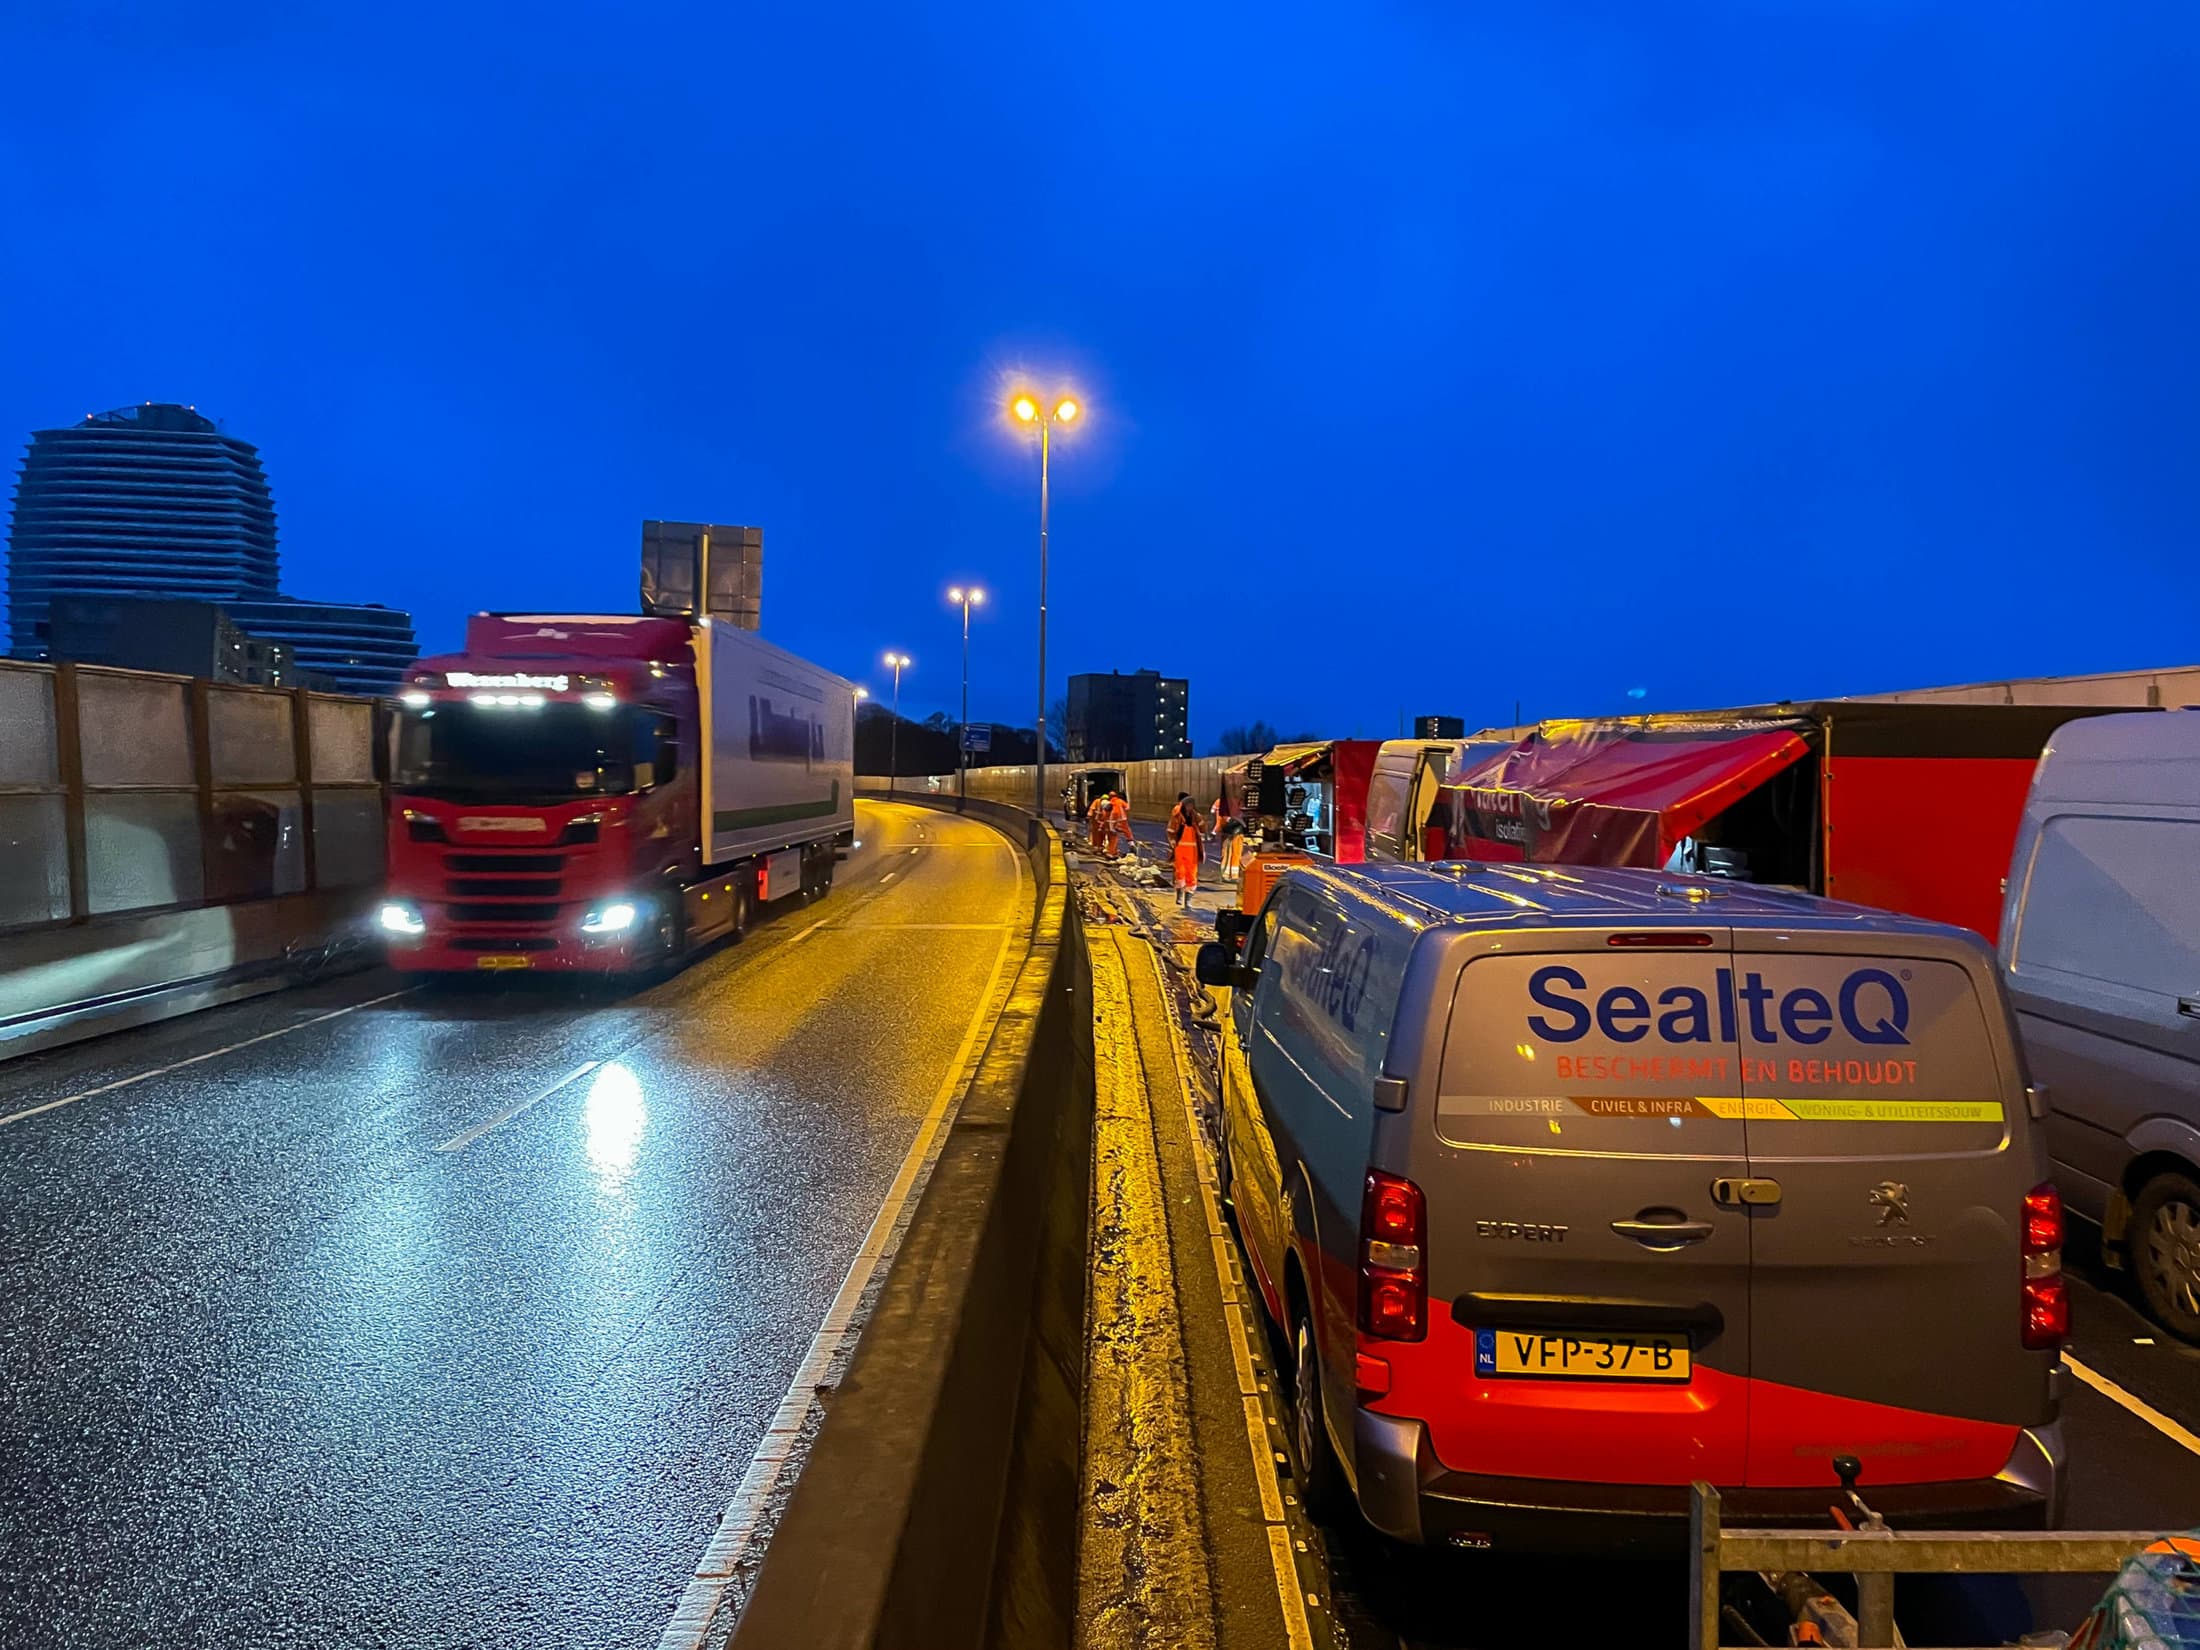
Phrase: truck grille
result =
(505, 887)
(471, 911)
(535, 863)
(533, 942)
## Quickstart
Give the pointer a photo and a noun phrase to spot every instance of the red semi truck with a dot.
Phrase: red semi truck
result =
(601, 794)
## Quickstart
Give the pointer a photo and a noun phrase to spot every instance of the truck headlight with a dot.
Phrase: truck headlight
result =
(609, 919)
(399, 918)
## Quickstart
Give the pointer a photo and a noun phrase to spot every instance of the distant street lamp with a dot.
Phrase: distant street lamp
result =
(1025, 408)
(966, 600)
(899, 662)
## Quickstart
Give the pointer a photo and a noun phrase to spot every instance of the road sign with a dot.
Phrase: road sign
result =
(1439, 727)
(978, 738)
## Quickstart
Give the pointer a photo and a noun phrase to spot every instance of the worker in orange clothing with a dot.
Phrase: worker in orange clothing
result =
(1097, 827)
(1184, 836)
(1119, 815)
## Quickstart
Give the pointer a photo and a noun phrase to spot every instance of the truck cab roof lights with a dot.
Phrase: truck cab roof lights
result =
(509, 679)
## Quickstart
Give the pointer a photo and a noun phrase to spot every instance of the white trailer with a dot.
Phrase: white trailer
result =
(777, 746)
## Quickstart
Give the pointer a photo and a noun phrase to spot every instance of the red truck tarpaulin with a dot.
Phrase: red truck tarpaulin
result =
(1613, 793)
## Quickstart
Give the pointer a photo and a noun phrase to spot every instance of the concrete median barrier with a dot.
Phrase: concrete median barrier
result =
(938, 1505)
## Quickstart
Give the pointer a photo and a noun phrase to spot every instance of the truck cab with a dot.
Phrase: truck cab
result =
(543, 806)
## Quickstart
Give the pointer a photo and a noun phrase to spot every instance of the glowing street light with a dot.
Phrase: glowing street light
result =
(897, 662)
(966, 600)
(1026, 408)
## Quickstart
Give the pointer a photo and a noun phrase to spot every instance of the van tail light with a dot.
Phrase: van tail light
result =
(2046, 1297)
(1393, 1259)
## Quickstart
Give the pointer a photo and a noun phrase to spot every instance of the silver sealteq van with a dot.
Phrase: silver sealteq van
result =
(1569, 1186)
(2101, 947)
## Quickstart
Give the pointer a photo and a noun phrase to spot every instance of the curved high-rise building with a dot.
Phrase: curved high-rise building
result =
(355, 649)
(156, 501)
(148, 500)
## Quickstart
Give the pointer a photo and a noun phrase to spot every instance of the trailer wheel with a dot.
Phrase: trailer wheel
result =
(744, 906)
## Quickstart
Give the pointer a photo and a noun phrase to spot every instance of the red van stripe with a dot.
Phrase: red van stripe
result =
(1723, 1427)
(1795, 1433)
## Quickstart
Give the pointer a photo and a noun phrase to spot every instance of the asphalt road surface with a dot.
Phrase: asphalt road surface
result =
(454, 1317)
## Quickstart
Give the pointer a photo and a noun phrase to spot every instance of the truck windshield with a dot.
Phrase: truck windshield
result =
(493, 753)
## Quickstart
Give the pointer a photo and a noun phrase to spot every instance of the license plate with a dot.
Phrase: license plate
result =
(1580, 1357)
(504, 962)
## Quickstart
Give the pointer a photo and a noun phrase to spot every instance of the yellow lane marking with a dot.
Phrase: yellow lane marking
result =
(1143, 1551)
(1240, 1323)
(2138, 1406)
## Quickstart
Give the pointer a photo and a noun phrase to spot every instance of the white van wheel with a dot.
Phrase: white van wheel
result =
(2164, 1242)
(1320, 1478)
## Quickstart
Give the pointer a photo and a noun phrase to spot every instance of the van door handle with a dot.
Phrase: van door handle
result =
(1664, 1234)
(1738, 1192)
(2189, 1007)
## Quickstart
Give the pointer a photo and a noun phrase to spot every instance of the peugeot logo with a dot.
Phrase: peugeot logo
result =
(1892, 1199)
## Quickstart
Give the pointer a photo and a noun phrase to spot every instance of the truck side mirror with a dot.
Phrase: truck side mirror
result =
(1217, 964)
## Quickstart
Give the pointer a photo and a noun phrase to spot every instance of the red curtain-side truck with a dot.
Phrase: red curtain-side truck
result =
(607, 794)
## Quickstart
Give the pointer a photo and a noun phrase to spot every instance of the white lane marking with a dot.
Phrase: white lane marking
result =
(459, 1142)
(884, 880)
(2138, 1406)
(698, 1606)
(210, 1054)
(807, 932)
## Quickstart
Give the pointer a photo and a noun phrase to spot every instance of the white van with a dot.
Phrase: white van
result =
(2100, 947)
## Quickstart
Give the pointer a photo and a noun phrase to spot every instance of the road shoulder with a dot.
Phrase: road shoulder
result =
(1205, 1467)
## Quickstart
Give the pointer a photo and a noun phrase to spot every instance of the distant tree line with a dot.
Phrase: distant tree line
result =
(931, 746)
(1251, 738)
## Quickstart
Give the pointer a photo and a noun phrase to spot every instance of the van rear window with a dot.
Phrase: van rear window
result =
(1878, 1044)
(1671, 1053)
(1592, 1051)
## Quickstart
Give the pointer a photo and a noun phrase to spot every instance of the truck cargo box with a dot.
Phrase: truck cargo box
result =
(778, 756)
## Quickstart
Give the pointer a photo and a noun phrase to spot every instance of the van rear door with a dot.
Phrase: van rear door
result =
(1589, 1300)
(1885, 1309)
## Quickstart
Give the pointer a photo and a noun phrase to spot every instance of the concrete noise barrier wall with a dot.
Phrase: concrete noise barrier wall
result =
(169, 843)
(938, 1506)
(1149, 787)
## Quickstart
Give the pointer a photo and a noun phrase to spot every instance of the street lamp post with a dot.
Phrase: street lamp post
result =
(1027, 410)
(898, 662)
(966, 600)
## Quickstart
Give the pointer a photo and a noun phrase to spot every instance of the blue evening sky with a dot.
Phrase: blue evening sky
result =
(1438, 355)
